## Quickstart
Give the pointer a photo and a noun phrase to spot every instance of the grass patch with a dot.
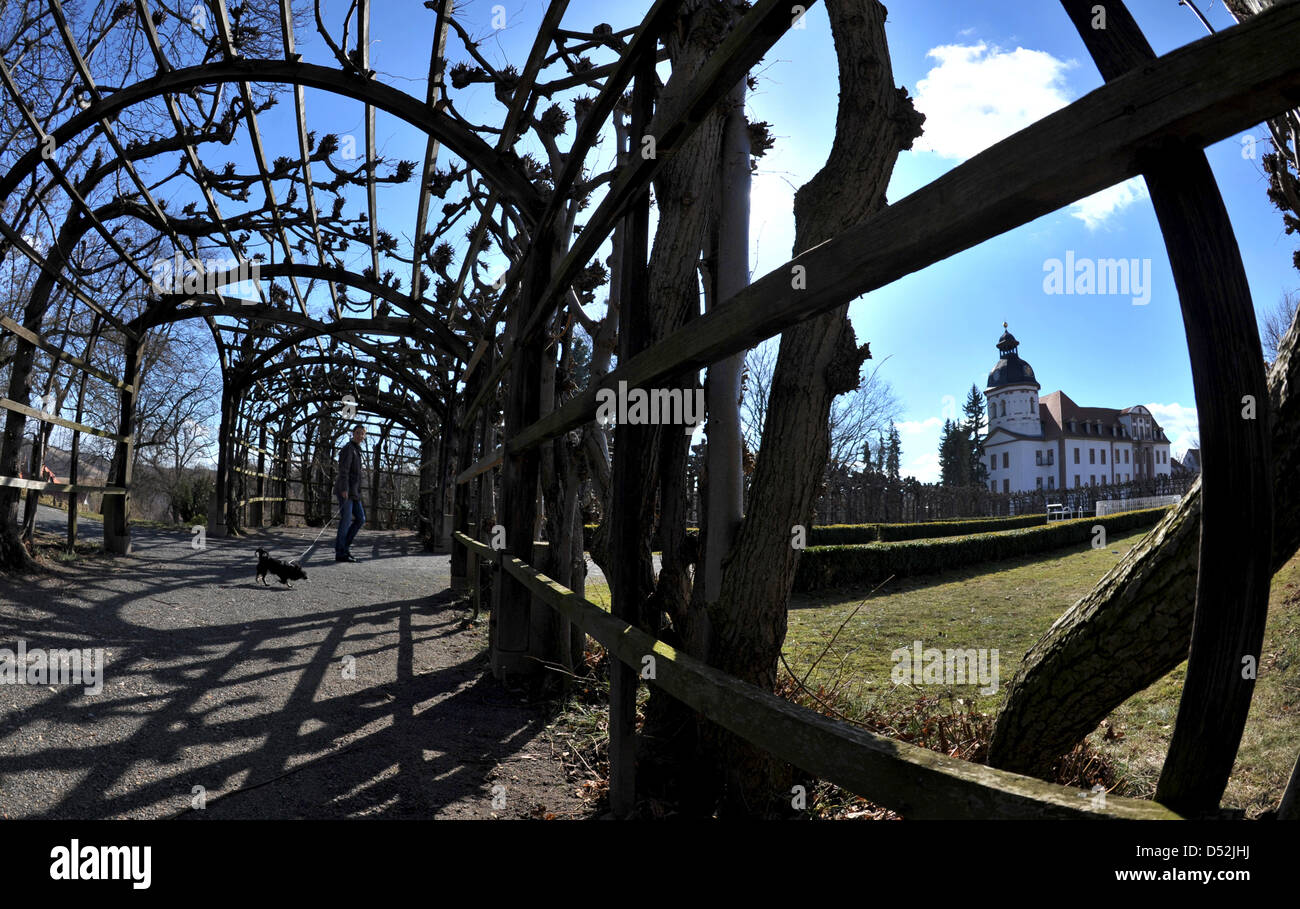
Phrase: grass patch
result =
(1009, 608)
(1138, 732)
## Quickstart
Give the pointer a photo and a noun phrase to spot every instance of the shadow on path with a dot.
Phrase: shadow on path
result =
(361, 691)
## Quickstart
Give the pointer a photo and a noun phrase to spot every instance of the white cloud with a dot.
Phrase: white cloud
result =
(919, 440)
(978, 95)
(924, 467)
(1094, 210)
(1178, 422)
(929, 426)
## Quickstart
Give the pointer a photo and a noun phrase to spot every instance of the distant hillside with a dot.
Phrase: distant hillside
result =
(59, 461)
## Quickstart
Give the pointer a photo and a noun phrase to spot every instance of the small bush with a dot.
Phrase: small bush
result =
(823, 567)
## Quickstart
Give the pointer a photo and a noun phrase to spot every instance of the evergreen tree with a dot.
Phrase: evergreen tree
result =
(879, 468)
(954, 454)
(945, 454)
(895, 455)
(976, 420)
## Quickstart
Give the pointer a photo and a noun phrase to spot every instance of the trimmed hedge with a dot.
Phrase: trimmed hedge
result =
(893, 533)
(824, 567)
(849, 534)
(843, 534)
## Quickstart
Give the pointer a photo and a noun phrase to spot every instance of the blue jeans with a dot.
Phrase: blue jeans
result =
(351, 517)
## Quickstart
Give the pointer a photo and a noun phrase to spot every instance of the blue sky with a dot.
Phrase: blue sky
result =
(979, 71)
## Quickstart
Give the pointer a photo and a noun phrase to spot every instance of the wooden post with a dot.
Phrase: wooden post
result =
(375, 476)
(283, 448)
(629, 441)
(116, 508)
(460, 508)
(72, 460)
(217, 507)
(510, 630)
(1232, 584)
(257, 515)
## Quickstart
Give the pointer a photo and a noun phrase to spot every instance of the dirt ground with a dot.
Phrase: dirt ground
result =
(361, 692)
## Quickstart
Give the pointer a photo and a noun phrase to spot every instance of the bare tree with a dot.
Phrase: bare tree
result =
(1275, 322)
(855, 419)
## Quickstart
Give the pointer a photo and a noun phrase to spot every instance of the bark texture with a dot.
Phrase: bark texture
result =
(743, 631)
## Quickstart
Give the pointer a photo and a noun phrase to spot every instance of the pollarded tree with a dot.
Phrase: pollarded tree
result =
(743, 630)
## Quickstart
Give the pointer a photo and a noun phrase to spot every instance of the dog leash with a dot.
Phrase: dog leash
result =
(314, 542)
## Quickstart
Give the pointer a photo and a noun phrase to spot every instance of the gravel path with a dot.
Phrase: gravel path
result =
(358, 693)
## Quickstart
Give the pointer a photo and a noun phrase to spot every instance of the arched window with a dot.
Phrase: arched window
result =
(993, 410)
(1004, 408)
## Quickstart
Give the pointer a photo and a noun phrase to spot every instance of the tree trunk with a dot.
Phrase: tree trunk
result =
(744, 630)
(731, 274)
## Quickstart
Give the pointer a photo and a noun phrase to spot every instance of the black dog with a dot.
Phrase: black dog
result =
(285, 571)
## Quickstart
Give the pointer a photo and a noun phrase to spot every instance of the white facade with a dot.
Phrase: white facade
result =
(1050, 442)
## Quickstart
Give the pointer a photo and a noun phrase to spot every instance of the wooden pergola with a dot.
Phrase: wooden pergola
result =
(449, 371)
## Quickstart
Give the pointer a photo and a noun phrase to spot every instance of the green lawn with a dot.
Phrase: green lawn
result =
(1008, 605)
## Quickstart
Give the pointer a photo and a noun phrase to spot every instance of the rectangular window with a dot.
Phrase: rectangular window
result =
(1050, 455)
(993, 485)
(1006, 459)
(1076, 481)
(1038, 457)
(1038, 482)
(1092, 479)
(1051, 482)
(1103, 456)
(1125, 455)
(1092, 456)
(1006, 485)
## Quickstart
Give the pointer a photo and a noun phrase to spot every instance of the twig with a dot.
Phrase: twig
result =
(806, 691)
(841, 628)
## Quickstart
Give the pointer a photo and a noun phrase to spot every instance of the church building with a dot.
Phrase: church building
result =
(1050, 442)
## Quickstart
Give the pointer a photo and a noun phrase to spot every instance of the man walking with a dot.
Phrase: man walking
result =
(348, 489)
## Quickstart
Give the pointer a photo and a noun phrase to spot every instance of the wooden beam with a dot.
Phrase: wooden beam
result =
(482, 465)
(916, 782)
(1234, 572)
(41, 486)
(755, 34)
(1197, 94)
(54, 350)
(57, 421)
(502, 170)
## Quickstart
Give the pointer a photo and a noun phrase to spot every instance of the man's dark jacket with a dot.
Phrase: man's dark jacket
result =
(349, 479)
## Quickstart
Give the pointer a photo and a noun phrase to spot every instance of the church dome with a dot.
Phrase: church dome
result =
(1010, 370)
